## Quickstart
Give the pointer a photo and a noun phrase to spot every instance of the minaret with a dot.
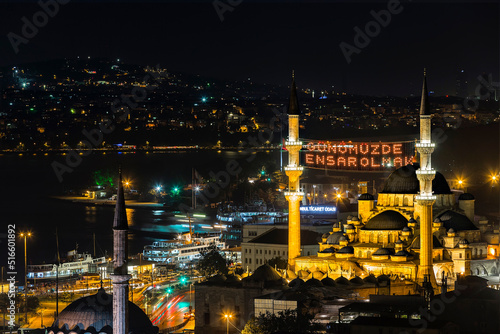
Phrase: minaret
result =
(293, 170)
(425, 199)
(120, 276)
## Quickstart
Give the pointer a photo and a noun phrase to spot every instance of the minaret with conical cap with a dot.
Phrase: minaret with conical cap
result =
(120, 276)
(293, 170)
(425, 199)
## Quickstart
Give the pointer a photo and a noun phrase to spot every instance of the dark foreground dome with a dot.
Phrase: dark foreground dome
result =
(404, 181)
(386, 220)
(94, 314)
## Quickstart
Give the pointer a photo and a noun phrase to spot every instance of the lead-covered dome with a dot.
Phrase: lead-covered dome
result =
(386, 220)
(96, 312)
(404, 181)
(457, 221)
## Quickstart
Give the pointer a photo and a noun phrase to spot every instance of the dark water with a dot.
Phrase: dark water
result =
(28, 181)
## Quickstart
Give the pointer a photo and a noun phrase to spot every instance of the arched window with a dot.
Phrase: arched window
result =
(405, 201)
(480, 253)
(368, 254)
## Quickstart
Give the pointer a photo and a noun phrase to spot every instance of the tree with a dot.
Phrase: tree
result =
(279, 262)
(212, 262)
(288, 321)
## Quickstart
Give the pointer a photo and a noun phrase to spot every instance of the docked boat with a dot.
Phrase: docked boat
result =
(188, 247)
(77, 265)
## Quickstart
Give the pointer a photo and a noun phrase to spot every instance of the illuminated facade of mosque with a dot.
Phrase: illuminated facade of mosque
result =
(415, 228)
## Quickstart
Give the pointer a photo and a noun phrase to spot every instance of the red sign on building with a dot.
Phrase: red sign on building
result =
(368, 156)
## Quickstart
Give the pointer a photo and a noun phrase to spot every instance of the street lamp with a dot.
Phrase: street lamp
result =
(24, 235)
(314, 193)
(227, 316)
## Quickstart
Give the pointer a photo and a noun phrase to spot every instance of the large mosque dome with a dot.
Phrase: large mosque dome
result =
(386, 220)
(94, 314)
(404, 181)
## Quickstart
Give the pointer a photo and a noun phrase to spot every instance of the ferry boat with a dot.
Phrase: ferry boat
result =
(78, 265)
(182, 250)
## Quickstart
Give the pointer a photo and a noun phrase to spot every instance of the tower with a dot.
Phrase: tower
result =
(293, 170)
(425, 198)
(120, 276)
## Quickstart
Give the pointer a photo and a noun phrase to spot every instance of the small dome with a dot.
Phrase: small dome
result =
(356, 281)
(295, 283)
(383, 251)
(327, 281)
(265, 273)
(386, 220)
(457, 221)
(402, 253)
(466, 197)
(463, 242)
(317, 275)
(370, 279)
(342, 280)
(437, 220)
(289, 274)
(350, 227)
(406, 229)
(313, 282)
(334, 238)
(451, 230)
(346, 250)
(349, 217)
(383, 278)
(412, 221)
(399, 242)
(366, 197)
(303, 274)
(329, 250)
(355, 219)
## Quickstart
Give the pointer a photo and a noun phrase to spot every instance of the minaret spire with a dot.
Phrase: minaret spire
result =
(425, 108)
(293, 194)
(425, 198)
(293, 104)
(120, 275)
(120, 219)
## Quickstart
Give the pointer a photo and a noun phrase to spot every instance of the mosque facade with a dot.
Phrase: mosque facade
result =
(415, 228)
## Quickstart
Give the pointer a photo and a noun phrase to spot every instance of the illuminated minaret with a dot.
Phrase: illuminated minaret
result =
(293, 171)
(120, 275)
(425, 198)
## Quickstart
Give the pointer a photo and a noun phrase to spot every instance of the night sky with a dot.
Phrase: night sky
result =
(265, 41)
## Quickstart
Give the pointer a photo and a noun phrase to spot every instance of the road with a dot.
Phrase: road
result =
(169, 313)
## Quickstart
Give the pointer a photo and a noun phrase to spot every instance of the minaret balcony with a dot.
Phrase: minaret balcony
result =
(425, 197)
(294, 194)
(294, 168)
(425, 171)
(294, 143)
(425, 144)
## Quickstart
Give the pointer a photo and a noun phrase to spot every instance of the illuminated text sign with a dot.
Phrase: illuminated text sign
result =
(371, 156)
(314, 209)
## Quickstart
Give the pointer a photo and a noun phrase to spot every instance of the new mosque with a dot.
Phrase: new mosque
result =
(415, 231)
